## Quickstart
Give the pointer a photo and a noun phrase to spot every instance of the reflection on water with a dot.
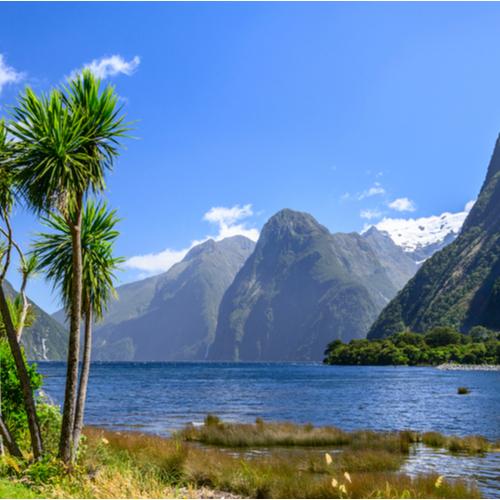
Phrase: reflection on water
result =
(484, 469)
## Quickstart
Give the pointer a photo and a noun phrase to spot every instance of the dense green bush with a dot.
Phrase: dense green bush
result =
(12, 402)
(436, 346)
(12, 396)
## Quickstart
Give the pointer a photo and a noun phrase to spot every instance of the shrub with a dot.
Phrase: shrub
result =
(12, 396)
(212, 420)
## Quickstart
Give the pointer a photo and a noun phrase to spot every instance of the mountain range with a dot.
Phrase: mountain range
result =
(173, 316)
(458, 286)
(302, 287)
(313, 284)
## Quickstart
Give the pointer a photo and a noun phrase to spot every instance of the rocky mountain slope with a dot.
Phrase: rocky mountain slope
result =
(301, 288)
(400, 265)
(172, 316)
(460, 285)
(46, 339)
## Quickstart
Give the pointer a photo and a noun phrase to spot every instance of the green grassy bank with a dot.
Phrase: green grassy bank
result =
(261, 460)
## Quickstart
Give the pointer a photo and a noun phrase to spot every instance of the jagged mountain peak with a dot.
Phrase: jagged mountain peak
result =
(289, 224)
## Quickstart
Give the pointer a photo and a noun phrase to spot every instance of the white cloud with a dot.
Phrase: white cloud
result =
(110, 66)
(154, 263)
(370, 213)
(402, 205)
(375, 190)
(228, 220)
(8, 74)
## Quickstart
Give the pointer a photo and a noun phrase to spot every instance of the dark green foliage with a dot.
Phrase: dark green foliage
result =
(438, 345)
(459, 286)
(13, 410)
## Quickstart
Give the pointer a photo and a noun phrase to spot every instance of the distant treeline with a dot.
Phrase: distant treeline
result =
(438, 345)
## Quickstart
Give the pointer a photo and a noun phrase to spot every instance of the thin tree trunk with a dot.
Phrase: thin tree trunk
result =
(9, 441)
(22, 373)
(68, 420)
(84, 378)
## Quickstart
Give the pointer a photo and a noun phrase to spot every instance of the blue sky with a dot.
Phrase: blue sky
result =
(346, 111)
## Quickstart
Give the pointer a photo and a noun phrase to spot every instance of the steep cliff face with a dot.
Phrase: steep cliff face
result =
(301, 288)
(460, 285)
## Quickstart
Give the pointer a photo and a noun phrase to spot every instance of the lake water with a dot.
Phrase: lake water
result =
(161, 397)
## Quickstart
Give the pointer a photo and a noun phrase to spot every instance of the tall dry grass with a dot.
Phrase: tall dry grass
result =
(135, 465)
(265, 434)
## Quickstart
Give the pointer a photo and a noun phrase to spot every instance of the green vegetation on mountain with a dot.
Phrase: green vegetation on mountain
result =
(301, 287)
(46, 338)
(460, 285)
(180, 320)
(439, 345)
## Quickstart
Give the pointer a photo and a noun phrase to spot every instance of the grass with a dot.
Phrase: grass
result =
(135, 465)
(10, 489)
(469, 444)
(217, 433)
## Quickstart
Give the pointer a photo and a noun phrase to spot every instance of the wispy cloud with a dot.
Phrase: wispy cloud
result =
(8, 74)
(375, 190)
(227, 218)
(402, 205)
(110, 66)
(229, 222)
(370, 214)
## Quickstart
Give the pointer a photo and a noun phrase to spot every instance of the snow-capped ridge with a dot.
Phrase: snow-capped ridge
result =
(416, 234)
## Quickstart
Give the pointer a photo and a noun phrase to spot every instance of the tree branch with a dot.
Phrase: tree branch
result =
(12, 243)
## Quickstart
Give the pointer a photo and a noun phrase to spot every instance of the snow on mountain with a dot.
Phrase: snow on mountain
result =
(425, 235)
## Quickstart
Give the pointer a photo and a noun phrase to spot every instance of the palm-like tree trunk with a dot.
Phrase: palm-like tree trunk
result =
(84, 378)
(22, 373)
(68, 420)
(9, 441)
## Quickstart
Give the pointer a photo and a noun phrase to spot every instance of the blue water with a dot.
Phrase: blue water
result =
(162, 397)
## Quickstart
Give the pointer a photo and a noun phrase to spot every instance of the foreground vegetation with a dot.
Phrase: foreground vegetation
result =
(55, 151)
(292, 462)
(439, 345)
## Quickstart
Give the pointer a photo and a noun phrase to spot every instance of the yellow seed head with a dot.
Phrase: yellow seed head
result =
(334, 483)
(328, 458)
(439, 481)
(347, 476)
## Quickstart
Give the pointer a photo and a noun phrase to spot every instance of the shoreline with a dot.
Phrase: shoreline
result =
(458, 366)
